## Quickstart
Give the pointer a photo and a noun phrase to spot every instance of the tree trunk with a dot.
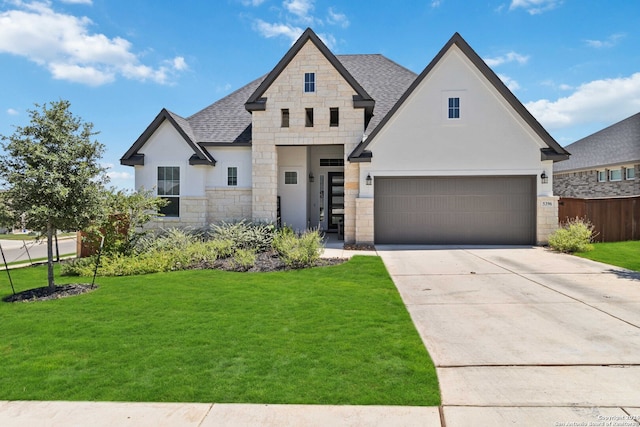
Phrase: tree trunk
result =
(50, 230)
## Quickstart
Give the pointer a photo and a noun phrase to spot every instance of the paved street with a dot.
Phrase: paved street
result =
(14, 250)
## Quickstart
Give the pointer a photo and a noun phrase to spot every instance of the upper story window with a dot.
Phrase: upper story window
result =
(615, 175)
(169, 188)
(334, 117)
(630, 173)
(309, 82)
(232, 176)
(284, 119)
(454, 108)
(291, 177)
(308, 117)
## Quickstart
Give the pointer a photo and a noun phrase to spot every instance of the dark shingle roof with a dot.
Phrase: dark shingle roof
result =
(382, 78)
(227, 121)
(616, 144)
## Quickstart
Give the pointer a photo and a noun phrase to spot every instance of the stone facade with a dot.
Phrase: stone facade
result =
(584, 185)
(547, 218)
(364, 226)
(228, 204)
(287, 92)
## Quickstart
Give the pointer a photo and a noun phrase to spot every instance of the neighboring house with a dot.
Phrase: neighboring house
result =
(604, 164)
(360, 143)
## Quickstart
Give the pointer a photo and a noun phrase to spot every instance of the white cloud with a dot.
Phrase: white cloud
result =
(300, 8)
(509, 82)
(610, 41)
(115, 175)
(65, 45)
(436, 3)
(509, 57)
(12, 112)
(273, 30)
(336, 18)
(252, 2)
(89, 2)
(596, 101)
(535, 7)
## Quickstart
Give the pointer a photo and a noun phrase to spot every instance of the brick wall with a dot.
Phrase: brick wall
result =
(585, 185)
(228, 204)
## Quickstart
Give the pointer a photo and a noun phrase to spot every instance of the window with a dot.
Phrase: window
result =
(309, 82)
(630, 173)
(291, 177)
(334, 117)
(308, 116)
(284, 122)
(615, 175)
(232, 176)
(454, 108)
(331, 162)
(602, 176)
(169, 185)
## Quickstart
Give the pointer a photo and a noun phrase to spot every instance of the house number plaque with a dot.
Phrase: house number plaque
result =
(547, 204)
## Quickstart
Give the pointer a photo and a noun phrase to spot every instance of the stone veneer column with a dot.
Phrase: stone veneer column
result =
(547, 218)
(351, 192)
(264, 175)
(364, 225)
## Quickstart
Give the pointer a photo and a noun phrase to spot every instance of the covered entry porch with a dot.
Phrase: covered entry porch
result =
(311, 187)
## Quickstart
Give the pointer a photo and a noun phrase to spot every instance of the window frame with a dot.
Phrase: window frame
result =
(602, 175)
(611, 178)
(308, 117)
(453, 108)
(334, 117)
(232, 176)
(291, 177)
(285, 118)
(170, 193)
(309, 82)
(633, 173)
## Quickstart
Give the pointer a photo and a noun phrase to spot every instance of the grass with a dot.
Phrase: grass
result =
(623, 254)
(332, 335)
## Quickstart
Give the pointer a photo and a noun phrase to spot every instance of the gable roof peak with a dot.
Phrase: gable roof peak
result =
(256, 100)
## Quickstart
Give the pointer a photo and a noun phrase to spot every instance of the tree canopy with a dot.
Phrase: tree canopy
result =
(51, 172)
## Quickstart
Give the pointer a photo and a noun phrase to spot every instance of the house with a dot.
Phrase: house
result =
(361, 144)
(604, 164)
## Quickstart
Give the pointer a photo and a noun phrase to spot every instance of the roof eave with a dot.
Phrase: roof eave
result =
(364, 157)
(550, 154)
(134, 160)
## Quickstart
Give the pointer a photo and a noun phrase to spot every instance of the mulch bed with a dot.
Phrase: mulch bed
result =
(358, 247)
(265, 262)
(44, 294)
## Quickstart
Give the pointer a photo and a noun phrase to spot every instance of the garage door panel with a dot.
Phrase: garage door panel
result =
(455, 210)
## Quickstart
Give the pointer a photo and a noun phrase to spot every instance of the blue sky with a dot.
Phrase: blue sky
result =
(574, 63)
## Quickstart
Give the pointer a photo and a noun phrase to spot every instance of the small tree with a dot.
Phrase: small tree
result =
(124, 216)
(52, 173)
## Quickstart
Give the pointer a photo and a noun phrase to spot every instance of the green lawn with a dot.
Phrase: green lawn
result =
(332, 335)
(622, 254)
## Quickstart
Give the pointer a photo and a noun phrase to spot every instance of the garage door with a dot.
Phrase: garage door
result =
(455, 210)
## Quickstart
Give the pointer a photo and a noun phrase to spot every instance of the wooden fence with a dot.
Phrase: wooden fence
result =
(614, 219)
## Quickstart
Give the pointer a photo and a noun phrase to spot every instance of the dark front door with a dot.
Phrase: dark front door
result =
(336, 199)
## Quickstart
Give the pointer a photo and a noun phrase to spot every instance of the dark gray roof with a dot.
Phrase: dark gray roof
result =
(227, 122)
(616, 144)
(382, 78)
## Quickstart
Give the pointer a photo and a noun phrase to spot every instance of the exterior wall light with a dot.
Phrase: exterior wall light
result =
(311, 177)
(369, 180)
(544, 178)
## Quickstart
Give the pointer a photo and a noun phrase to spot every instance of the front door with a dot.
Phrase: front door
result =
(336, 200)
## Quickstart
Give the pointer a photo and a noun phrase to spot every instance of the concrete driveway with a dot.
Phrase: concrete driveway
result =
(524, 335)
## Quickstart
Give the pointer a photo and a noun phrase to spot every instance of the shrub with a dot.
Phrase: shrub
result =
(166, 240)
(245, 235)
(298, 251)
(574, 236)
(78, 267)
(243, 259)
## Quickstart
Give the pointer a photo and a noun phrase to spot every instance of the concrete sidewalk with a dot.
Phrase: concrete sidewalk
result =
(109, 414)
